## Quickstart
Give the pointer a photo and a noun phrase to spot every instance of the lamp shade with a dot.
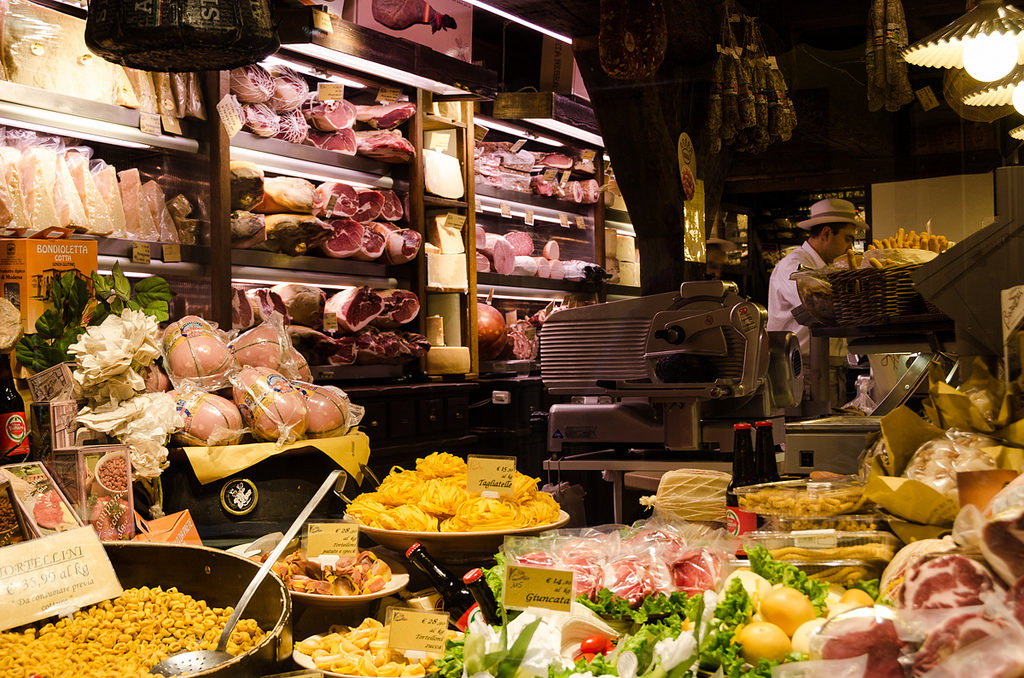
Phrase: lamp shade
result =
(945, 47)
(998, 93)
(1017, 132)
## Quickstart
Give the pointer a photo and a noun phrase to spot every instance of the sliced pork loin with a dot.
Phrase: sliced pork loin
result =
(342, 141)
(522, 243)
(372, 246)
(400, 307)
(386, 116)
(265, 302)
(347, 239)
(335, 199)
(355, 307)
(305, 303)
(500, 252)
(370, 205)
(392, 209)
(328, 116)
(243, 316)
(483, 264)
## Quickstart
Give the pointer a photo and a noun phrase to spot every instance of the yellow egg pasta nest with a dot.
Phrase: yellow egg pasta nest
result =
(362, 651)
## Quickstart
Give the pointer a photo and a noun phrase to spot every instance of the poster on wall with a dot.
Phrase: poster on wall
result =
(444, 26)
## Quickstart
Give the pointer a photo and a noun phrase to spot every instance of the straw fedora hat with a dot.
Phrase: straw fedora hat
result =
(831, 211)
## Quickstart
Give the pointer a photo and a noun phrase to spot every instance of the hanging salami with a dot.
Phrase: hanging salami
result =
(632, 38)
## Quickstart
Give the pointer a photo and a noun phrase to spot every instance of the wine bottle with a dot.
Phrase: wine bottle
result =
(744, 472)
(458, 600)
(477, 585)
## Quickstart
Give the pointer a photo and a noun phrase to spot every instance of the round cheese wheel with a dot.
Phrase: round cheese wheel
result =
(194, 350)
(259, 347)
(270, 406)
(327, 410)
(209, 419)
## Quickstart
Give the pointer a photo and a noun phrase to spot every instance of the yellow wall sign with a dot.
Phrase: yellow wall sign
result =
(538, 587)
(333, 539)
(416, 630)
(490, 474)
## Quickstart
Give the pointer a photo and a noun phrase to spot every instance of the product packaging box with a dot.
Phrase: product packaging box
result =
(444, 26)
(176, 528)
(53, 426)
(98, 481)
(54, 383)
(29, 266)
(558, 69)
(12, 523)
(44, 507)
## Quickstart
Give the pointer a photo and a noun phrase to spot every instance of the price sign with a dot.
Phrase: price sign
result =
(439, 141)
(564, 220)
(538, 587)
(331, 203)
(454, 220)
(330, 91)
(589, 155)
(518, 146)
(330, 322)
(171, 124)
(322, 21)
(388, 95)
(506, 210)
(228, 109)
(479, 132)
(478, 207)
(417, 631)
(490, 475)
(579, 222)
(528, 219)
(333, 539)
(549, 175)
(150, 124)
(565, 176)
(172, 253)
(140, 252)
(54, 575)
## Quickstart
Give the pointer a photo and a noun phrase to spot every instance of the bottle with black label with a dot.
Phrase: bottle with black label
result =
(477, 585)
(13, 424)
(458, 600)
(764, 453)
(744, 472)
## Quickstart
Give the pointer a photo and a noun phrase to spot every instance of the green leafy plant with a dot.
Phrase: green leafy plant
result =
(71, 308)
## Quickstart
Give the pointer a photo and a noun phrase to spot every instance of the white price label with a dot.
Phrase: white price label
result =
(228, 109)
(322, 21)
(528, 219)
(565, 176)
(455, 220)
(479, 132)
(330, 91)
(150, 124)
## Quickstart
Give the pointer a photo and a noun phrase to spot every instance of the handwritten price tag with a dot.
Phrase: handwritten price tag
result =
(517, 146)
(579, 222)
(528, 219)
(172, 253)
(506, 210)
(322, 21)
(589, 155)
(564, 220)
(479, 132)
(549, 175)
(416, 631)
(538, 587)
(52, 575)
(150, 124)
(333, 539)
(388, 95)
(439, 141)
(455, 220)
(330, 322)
(228, 110)
(330, 91)
(490, 475)
(140, 252)
(171, 125)
(565, 176)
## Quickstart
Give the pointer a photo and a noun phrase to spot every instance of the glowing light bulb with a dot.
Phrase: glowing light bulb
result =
(990, 56)
(1018, 99)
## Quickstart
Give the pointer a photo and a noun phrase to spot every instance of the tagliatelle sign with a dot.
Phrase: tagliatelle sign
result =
(54, 575)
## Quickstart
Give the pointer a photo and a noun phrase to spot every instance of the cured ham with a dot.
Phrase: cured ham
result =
(355, 308)
(392, 209)
(329, 116)
(336, 199)
(345, 240)
(386, 116)
(342, 141)
(372, 246)
(370, 204)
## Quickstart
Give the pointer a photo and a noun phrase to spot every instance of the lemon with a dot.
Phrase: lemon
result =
(755, 585)
(787, 608)
(857, 597)
(762, 640)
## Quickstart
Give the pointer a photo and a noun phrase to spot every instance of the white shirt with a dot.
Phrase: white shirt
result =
(783, 297)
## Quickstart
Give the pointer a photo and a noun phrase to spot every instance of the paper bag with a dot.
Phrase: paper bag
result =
(176, 528)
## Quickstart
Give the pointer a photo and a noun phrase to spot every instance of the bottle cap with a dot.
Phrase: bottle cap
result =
(741, 427)
(412, 548)
(472, 575)
(762, 424)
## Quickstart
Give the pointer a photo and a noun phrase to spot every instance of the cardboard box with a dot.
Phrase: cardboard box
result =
(29, 266)
(53, 426)
(42, 504)
(454, 38)
(53, 383)
(558, 70)
(98, 482)
(176, 528)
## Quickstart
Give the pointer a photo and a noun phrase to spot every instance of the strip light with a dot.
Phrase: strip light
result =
(310, 70)
(491, 123)
(567, 130)
(519, 20)
(544, 296)
(70, 126)
(302, 168)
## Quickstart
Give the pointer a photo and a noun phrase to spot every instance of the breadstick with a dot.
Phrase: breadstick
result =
(915, 242)
(851, 260)
(876, 263)
(900, 235)
(877, 244)
(943, 243)
(924, 241)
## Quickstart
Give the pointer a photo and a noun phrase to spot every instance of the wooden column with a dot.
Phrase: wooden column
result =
(215, 87)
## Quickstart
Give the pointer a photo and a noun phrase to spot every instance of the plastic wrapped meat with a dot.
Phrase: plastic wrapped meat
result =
(261, 120)
(696, 570)
(97, 210)
(14, 197)
(106, 183)
(252, 84)
(628, 578)
(290, 89)
(165, 95)
(293, 127)
(70, 210)
(137, 215)
(157, 203)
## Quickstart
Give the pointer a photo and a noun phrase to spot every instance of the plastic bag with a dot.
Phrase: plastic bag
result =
(266, 345)
(937, 462)
(816, 294)
(853, 667)
(194, 351)
(208, 419)
(270, 406)
(329, 412)
(690, 494)
(862, 402)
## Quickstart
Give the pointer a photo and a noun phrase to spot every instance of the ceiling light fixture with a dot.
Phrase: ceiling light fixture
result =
(491, 123)
(522, 22)
(1009, 90)
(987, 42)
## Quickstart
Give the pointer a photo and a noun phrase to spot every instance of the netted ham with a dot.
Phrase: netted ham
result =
(329, 116)
(372, 246)
(400, 307)
(336, 199)
(295, 234)
(290, 89)
(305, 303)
(287, 194)
(387, 146)
(294, 127)
(392, 209)
(401, 245)
(261, 120)
(386, 116)
(342, 141)
(355, 308)
(948, 581)
(252, 84)
(345, 240)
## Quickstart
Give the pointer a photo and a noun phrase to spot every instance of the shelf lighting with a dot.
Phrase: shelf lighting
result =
(308, 170)
(987, 42)
(489, 204)
(567, 129)
(542, 295)
(519, 20)
(491, 123)
(308, 69)
(71, 126)
(267, 277)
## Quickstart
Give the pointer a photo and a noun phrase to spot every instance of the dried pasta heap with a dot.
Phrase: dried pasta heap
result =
(433, 498)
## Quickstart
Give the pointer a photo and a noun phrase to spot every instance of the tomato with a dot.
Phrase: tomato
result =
(596, 644)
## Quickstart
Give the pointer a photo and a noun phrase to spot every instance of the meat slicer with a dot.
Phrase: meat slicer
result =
(669, 371)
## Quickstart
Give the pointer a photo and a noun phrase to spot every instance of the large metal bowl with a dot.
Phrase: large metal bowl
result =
(218, 578)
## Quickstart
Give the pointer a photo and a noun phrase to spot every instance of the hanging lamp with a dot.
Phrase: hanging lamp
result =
(998, 93)
(987, 42)
(1017, 132)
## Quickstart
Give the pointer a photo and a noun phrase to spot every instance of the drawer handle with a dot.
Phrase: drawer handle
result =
(433, 417)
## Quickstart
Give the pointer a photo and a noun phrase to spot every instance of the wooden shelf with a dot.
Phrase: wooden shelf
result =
(533, 200)
(622, 290)
(529, 282)
(525, 105)
(276, 260)
(433, 123)
(299, 159)
(438, 201)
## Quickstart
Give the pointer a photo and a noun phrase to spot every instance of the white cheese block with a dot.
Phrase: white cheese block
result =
(38, 175)
(96, 209)
(448, 360)
(447, 238)
(625, 248)
(611, 266)
(629, 273)
(13, 193)
(611, 240)
(442, 175)
(447, 272)
(106, 182)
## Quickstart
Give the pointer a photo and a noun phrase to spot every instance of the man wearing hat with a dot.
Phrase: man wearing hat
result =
(832, 227)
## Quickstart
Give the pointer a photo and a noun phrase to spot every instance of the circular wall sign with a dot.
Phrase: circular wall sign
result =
(238, 497)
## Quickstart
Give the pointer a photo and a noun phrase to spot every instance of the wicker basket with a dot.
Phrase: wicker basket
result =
(872, 296)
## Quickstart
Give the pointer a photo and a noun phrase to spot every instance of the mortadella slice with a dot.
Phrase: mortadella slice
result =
(501, 254)
(38, 175)
(521, 242)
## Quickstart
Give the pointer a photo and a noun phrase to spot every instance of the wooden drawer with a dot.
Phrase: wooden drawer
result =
(375, 421)
(431, 415)
(456, 414)
(401, 418)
